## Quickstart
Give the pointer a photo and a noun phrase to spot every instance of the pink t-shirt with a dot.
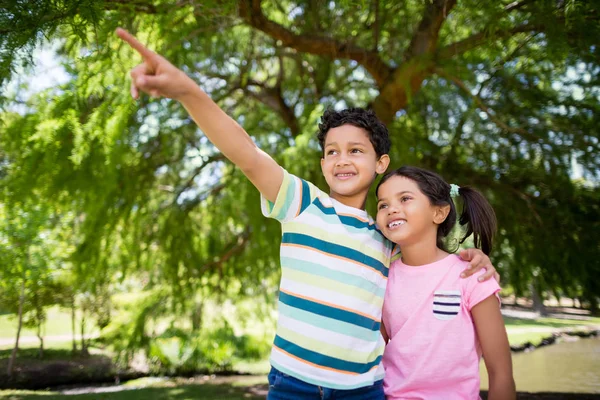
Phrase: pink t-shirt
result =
(433, 352)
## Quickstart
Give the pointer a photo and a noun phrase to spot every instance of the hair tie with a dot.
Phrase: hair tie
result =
(454, 190)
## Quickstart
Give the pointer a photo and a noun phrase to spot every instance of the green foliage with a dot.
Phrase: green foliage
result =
(175, 349)
(503, 97)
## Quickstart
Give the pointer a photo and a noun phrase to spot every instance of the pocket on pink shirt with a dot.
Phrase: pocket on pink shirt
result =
(446, 304)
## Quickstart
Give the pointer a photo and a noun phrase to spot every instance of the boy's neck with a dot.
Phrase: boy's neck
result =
(358, 201)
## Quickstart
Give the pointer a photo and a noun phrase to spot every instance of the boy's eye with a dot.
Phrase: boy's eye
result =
(405, 198)
(356, 151)
(331, 152)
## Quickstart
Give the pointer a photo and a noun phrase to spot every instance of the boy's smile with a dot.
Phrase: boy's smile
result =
(350, 164)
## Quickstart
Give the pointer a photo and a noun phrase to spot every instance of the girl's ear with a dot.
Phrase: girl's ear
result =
(440, 213)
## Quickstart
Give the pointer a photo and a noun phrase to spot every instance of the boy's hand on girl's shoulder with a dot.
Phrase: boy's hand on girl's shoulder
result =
(155, 75)
(477, 260)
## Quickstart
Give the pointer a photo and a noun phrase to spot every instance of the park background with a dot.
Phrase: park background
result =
(132, 252)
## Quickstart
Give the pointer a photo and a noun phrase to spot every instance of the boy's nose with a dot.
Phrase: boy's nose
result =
(342, 161)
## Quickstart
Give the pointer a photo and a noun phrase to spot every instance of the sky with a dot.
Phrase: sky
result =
(46, 73)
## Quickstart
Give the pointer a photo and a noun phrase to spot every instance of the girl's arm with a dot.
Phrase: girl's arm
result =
(496, 350)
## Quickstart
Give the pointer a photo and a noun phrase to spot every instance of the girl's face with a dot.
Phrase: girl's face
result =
(404, 214)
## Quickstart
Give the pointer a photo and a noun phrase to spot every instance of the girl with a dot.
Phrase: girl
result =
(437, 324)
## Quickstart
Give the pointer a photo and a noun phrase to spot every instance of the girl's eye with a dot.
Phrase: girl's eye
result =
(356, 151)
(382, 206)
(330, 152)
(405, 198)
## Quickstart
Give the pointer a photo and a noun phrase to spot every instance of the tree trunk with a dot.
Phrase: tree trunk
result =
(538, 302)
(39, 335)
(84, 350)
(197, 315)
(73, 324)
(13, 355)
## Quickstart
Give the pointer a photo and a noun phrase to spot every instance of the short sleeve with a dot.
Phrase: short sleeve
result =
(477, 291)
(294, 196)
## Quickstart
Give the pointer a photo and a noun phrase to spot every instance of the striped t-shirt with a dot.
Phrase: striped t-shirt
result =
(334, 264)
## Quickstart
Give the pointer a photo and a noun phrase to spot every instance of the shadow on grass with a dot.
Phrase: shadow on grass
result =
(180, 392)
(58, 367)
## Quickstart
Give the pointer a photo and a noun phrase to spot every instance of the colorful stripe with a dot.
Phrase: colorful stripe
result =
(323, 361)
(346, 315)
(334, 250)
(334, 264)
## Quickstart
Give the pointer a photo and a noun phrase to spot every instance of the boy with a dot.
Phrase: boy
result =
(334, 261)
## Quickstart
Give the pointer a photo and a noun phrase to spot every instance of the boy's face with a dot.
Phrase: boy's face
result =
(350, 164)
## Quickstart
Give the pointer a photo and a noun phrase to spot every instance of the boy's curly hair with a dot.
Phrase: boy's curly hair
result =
(361, 118)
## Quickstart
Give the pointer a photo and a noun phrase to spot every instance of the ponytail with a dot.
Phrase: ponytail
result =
(479, 218)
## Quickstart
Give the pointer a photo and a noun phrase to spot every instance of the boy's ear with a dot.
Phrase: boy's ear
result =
(382, 164)
(440, 213)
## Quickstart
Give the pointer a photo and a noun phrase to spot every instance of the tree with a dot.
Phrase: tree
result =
(499, 95)
(25, 263)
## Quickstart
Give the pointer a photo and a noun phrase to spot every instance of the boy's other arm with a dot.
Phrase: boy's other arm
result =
(159, 78)
(495, 347)
(477, 260)
(384, 334)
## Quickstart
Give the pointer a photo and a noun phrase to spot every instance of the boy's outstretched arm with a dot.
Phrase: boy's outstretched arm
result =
(159, 78)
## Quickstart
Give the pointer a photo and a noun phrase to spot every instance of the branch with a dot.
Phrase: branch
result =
(271, 97)
(197, 171)
(480, 38)
(138, 6)
(237, 245)
(490, 113)
(407, 78)
(251, 12)
(376, 27)
(189, 205)
(515, 5)
(425, 39)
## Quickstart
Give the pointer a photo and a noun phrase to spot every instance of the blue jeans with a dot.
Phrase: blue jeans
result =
(285, 387)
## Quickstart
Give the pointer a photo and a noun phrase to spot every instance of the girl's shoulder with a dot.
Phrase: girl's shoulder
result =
(457, 265)
(454, 262)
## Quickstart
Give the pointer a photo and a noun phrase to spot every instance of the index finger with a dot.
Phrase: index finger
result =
(136, 44)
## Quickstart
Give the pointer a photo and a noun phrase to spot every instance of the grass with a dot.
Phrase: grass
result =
(244, 388)
(521, 331)
(58, 323)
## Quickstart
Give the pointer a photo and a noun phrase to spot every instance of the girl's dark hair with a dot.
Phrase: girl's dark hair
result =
(361, 118)
(477, 213)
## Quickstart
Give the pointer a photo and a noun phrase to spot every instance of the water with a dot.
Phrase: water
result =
(571, 366)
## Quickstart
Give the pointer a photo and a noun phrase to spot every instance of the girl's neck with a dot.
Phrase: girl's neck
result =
(421, 253)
